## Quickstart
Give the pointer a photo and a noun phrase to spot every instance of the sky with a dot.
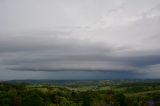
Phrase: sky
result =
(79, 39)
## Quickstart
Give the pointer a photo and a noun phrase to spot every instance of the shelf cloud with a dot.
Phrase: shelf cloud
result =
(42, 37)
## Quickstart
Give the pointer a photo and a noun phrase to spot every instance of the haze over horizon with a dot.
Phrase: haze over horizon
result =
(79, 39)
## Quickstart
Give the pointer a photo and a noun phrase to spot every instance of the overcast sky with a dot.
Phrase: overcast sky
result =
(79, 39)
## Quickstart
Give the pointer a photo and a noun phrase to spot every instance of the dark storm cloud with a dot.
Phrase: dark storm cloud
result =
(35, 53)
(137, 62)
(57, 70)
(37, 49)
(142, 61)
(119, 36)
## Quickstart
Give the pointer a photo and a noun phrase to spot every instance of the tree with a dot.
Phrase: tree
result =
(4, 99)
(15, 99)
(120, 99)
(33, 100)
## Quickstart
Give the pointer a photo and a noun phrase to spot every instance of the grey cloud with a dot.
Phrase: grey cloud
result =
(141, 61)
(151, 11)
(29, 42)
(130, 60)
(39, 41)
(121, 6)
(68, 55)
(107, 36)
(36, 52)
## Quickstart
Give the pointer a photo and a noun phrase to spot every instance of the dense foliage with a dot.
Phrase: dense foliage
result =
(49, 95)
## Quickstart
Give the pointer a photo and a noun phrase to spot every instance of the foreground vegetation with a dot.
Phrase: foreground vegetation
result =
(129, 94)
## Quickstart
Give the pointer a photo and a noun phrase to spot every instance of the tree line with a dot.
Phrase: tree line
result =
(21, 95)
